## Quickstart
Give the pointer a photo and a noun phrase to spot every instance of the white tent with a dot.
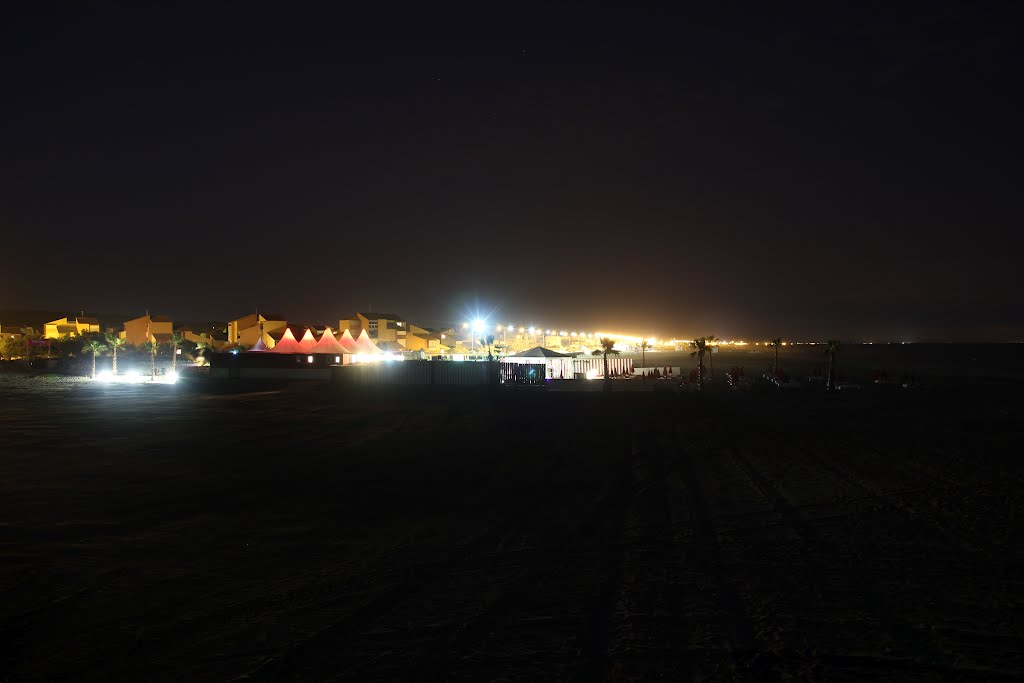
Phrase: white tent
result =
(307, 343)
(348, 343)
(364, 345)
(259, 345)
(556, 365)
(287, 343)
(328, 345)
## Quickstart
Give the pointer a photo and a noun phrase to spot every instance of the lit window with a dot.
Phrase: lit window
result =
(309, 359)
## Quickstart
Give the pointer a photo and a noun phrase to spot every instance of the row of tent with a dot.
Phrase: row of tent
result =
(328, 343)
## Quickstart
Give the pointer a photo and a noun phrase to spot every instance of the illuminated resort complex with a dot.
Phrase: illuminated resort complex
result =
(153, 348)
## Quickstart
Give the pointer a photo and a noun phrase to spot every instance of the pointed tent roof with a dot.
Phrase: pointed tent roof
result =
(287, 343)
(540, 352)
(328, 344)
(348, 343)
(364, 345)
(259, 345)
(308, 342)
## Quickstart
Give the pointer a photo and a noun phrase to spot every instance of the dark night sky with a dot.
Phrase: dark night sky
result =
(850, 172)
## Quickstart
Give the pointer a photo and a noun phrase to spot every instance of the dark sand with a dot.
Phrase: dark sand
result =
(155, 533)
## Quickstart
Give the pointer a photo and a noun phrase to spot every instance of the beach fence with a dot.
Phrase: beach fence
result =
(617, 367)
(658, 371)
(524, 373)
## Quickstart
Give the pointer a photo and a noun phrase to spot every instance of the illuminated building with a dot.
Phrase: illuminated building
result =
(388, 327)
(146, 328)
(70, 327)
(247, 330)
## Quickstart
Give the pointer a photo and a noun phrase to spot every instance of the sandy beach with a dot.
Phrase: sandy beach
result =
(299, 533)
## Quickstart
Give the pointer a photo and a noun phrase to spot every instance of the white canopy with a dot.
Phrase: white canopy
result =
(328, 345)
(287, 343)
(259, 345)
(307, 343)
(348, 343)
(364, 345)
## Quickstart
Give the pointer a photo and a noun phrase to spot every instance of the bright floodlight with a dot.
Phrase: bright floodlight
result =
(478, 325)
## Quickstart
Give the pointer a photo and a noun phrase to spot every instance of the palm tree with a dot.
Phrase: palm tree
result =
(777, 342)
(831, 346)
(95, 347)
(700, 347)
(176, 339)
(114, 342)
(607, 346)
(488, 341)
(644, 345)
(712, 347)
(152, 346)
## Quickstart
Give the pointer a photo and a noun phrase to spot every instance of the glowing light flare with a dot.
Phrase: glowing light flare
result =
(106, 377)
(375, 357)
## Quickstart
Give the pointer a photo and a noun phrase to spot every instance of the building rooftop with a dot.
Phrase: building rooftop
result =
(541, 352)
(153, 318)
(381, 316)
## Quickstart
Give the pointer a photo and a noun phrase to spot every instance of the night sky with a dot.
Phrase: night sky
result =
(850, 172)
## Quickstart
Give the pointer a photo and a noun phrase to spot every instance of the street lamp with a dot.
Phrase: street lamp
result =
(478, 327)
